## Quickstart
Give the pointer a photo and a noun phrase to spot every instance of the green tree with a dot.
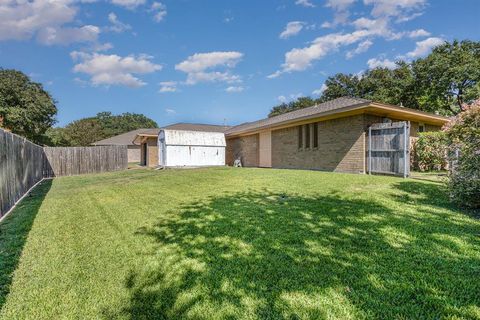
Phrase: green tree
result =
(56, 136)
(449, 77)
(83, 132)
(440, 82)
(25, 107)
(341, 85)
(300, 103)
(113, 125)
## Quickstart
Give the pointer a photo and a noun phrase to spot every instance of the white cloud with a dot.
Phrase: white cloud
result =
(424, 47)
(159, 10)
(341, 12)
(292, 28)
(377, 27)
(52, 35)
(102, 46)
(305, 3)
(202, 61)
(233, 89)
(366, 30)
(196, 67)
(418, 33)
(274, 75)
(113, 69)
(405, 18)
(291, 97)
(319, 92)
(299, 59)
(397, 8)
(362, 47)
(168, 86)
(117, 25)
(129, 4)
(22, 20)
(377, 63)
(196, 77)
(170, 111)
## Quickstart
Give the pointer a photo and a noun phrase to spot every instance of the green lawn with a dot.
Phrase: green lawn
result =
(240, 243)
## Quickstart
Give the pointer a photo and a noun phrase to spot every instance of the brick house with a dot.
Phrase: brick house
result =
(331, 136)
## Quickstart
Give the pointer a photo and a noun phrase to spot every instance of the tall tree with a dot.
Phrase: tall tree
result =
(84, 132)
(300, 103)
(341, 85)
(116, 124)
(449, 76)
(25, 107)
(440, 82)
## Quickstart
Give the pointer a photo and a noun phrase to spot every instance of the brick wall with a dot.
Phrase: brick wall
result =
(134, 153)
(244, 148)
(152, 152)
(340, 147)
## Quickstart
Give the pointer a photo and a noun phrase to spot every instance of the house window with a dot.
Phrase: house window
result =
(421, 127)
(307, 136)
(300, 137)
(315, 135)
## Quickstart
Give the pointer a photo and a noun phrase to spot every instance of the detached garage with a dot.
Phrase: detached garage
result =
(183, 148)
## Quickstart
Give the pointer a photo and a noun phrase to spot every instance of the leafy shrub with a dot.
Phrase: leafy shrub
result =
(463, 134)
(430, 151)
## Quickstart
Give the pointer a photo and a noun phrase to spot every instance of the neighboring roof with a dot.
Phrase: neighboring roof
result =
(299, 114)
(125, 138)
(335, 108)
(197, 127)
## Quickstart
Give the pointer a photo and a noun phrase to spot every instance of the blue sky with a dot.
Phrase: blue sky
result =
(206, 61)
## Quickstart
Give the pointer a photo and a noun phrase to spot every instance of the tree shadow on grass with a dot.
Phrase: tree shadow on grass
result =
(432, 194)
(284, 256)
(14, 230)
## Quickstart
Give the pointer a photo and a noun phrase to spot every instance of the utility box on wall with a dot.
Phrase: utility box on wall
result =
(182, 148)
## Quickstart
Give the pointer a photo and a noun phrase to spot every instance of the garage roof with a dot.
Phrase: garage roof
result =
(125, 139)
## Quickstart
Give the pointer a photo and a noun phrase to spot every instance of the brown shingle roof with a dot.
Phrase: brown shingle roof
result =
(125, 138)
(338, 103)
(197, 127)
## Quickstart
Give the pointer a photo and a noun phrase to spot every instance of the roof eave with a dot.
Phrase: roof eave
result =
(373, 107)
(292, 122)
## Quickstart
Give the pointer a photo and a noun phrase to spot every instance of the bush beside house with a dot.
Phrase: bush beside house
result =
(463, 138)
(430, 151)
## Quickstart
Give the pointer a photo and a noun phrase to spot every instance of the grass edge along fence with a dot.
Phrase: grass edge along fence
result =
(23, 164)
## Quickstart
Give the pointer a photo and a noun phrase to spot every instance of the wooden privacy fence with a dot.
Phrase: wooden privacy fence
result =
(69, 161)
(389, 148)
(21, 167)
(23, 164)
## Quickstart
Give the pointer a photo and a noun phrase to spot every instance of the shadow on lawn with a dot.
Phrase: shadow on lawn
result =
(14, 232)
(283, 256)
